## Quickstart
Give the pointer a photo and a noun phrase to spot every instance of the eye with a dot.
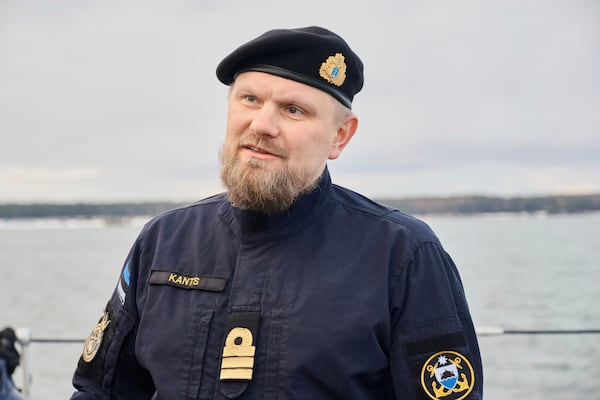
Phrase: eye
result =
(249, 98)
(294, 110)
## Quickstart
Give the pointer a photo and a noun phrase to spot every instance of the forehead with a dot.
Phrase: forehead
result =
(272, 85)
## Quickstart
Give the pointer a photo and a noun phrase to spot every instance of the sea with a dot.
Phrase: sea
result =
(521, 272)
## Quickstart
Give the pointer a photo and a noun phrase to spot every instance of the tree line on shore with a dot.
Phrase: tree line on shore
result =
(419, 205)
(557, 204)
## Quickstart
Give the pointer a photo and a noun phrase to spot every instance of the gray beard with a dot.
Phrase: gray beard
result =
(253, 186)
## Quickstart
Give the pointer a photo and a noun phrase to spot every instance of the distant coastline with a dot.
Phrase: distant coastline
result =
(551, 204)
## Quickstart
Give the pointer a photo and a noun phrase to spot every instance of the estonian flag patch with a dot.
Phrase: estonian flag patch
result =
(123, 283)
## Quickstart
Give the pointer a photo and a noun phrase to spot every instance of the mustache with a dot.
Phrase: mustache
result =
(266, 145)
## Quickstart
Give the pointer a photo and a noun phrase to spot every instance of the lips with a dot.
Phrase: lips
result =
(258, 150)
(263, 149)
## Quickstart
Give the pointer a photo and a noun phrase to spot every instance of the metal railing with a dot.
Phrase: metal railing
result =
(25, 338)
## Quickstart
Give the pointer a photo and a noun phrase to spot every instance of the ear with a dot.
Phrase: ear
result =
(343, 136)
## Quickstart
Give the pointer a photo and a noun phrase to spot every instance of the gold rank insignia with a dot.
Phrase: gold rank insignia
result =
(333, 70)
(94, 340)
(447, 375)
(238, 355)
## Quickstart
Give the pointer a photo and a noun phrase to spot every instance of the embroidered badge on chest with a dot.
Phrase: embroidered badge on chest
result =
(447, 375)
(94, 340)
(238, 355)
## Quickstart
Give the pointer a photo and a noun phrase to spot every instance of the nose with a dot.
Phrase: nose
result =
(264, 121)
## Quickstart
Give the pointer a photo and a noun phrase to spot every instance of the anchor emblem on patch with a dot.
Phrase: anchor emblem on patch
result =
(94, 340)
(447, 375)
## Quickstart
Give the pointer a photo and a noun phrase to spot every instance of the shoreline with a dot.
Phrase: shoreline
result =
(452, 205)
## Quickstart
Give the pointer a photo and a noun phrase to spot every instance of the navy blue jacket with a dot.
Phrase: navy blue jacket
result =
(337, 298)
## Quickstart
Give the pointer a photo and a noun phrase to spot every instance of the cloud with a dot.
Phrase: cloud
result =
(496, 92)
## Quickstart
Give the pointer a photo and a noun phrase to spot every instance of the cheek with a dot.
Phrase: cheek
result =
(236, 120)
(234, 129)
(325, 145)
(232, 134)
(317, 150)
(230, 124)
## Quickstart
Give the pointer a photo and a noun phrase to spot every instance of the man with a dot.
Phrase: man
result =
(286, 286)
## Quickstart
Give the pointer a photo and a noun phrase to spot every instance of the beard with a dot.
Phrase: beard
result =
(257, 185)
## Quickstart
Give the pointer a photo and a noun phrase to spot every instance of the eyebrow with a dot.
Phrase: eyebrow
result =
(285, 99)
(293, 99)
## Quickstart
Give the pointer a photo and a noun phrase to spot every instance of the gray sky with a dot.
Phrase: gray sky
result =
(118, 100)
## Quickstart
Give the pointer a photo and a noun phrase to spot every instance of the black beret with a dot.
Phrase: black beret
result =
(313, 55)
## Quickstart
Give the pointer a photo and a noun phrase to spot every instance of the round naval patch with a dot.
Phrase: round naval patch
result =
(447, 375)
(94, 340)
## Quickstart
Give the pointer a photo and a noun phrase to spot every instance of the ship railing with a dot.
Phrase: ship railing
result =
(25, 339)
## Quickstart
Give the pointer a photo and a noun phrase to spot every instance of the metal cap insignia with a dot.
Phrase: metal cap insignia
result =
(333, 70)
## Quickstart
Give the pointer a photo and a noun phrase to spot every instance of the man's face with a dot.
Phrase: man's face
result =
(279, 135)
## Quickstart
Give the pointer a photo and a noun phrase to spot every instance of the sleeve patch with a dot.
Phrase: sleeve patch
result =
(92, 358)
(123, 283)
(448, 375)
(94, 340)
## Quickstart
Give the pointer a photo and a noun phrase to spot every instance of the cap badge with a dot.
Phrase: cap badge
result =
(333, 70)
(94, 340)
(447, 375)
